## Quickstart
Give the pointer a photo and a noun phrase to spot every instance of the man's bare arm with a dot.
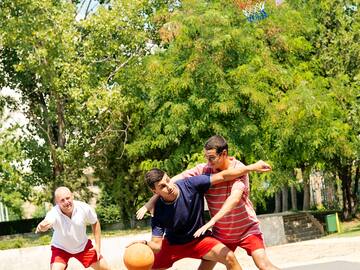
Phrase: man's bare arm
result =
(150, 205)
(233, 173)
(96, 228)
(44, 225)
(228, 205)
(155, 243)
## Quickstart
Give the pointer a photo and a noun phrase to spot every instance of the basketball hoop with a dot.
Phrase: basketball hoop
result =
(254, 10)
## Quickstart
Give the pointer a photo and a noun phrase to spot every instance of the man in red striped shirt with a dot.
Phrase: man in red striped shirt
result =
(234, 220)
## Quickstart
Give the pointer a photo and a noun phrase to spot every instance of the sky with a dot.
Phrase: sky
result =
(11, 118)
(84, 5)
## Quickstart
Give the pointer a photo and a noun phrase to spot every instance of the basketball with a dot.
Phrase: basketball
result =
(138, 257)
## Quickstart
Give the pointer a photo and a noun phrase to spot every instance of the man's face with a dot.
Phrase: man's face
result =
(65, 201)
(215, 160)
(165, 189)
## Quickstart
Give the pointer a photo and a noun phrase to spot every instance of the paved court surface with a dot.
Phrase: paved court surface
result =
(336, 265)
(320, 254)
(326, 253)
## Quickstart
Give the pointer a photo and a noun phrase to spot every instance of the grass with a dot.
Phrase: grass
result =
(348, 229)
(115, 233)
(32, 239)
(25, 240)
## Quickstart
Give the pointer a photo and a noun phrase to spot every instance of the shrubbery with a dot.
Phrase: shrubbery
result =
(108, 214)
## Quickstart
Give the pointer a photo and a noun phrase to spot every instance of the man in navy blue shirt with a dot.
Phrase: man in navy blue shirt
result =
(178, 215)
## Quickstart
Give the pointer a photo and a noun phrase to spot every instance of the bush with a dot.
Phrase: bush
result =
(108, 214)
(40, 212)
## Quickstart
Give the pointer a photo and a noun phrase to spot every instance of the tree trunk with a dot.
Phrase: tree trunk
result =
(61, 140)
(356, 190)
(55, 137)
(293, 198)
(345, 204)
(345, 177)
(285, 198)
(306, 184)
(277, 202)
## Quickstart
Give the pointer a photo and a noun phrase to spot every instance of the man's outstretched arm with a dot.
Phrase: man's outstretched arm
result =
(149, 206)
(233, 173)
(46, 224)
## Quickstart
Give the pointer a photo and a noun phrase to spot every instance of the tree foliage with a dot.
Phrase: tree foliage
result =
(138, 84)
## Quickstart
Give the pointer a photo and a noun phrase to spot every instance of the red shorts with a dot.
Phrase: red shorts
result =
(249, 243)
(86, 257)
(171, 253)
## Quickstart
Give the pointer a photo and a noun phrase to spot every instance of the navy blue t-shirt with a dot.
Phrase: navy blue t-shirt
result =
(179, 220)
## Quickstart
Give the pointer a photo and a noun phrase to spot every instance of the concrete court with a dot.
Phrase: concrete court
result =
(326, 253)
(338, 265)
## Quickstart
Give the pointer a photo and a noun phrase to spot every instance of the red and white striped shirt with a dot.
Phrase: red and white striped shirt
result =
(241, 221)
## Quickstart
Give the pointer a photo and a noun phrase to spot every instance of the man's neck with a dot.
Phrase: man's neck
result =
(67, 214)
(225, 165)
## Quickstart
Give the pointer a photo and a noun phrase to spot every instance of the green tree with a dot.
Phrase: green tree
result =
(217, 75)
(69, 74)
(338, 61)
(38, 49)
(138, 84)
(14, 190)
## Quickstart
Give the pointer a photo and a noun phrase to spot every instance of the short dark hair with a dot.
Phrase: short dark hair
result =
(153, 176)
(216, 142)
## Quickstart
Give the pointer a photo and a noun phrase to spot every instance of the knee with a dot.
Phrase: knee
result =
(264, 265)
(230, 258)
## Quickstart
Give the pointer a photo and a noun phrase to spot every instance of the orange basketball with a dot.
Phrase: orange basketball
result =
(138, 257)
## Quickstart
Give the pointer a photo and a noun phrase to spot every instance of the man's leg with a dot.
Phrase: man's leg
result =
(164, 258)
(255, 247)
(262, 261)
(57, 266)
(206, 265)
(220, 253)
(99, 265)
(59, 259)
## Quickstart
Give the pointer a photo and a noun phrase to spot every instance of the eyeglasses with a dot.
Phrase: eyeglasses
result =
(213, 158)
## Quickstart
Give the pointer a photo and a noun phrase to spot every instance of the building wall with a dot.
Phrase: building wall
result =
(272, 226)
